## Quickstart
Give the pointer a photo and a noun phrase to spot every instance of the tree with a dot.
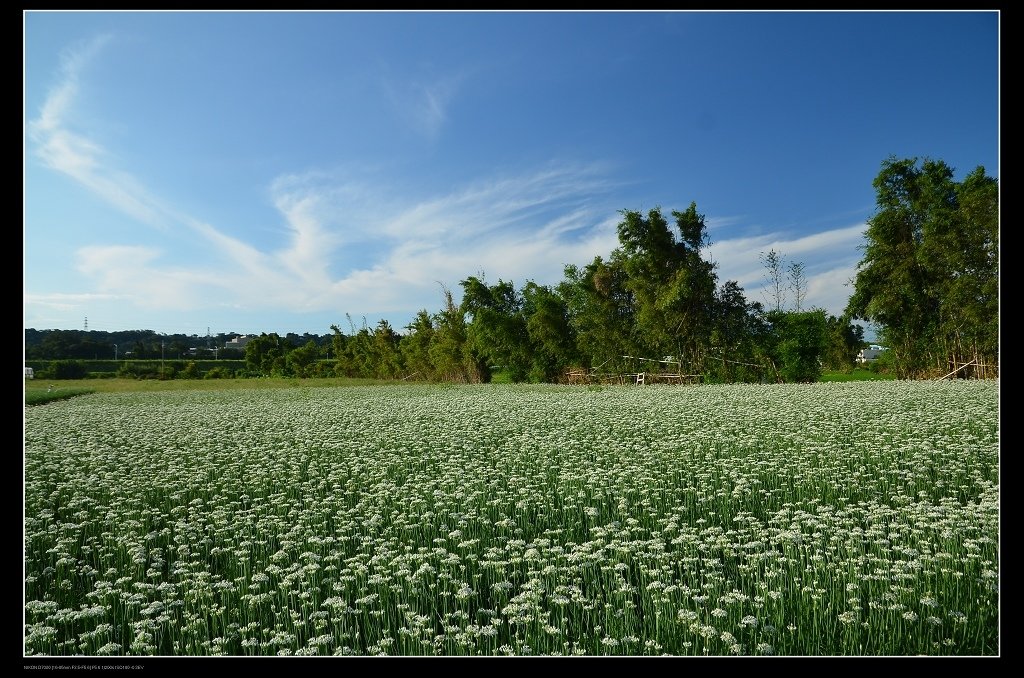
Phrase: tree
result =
(551, 338)
(737, 338)
(358, 358)
(449, 352)
(673, 287)
(385, 357)
(302, 361)
(929, 276)
(798, 284)
(802, 340)
(843, 341)
(497, 331)
(775, 265)
(338, 343)
(600, 312)
(267, 355)
(64, 369)
(415, 346)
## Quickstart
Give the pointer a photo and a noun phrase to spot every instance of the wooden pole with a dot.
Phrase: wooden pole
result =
(956, 370)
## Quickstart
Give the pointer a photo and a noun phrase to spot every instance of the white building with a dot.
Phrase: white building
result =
(870, 354)
(238, 342)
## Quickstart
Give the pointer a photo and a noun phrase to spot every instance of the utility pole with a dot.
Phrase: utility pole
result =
(161, 358)
(115, 352)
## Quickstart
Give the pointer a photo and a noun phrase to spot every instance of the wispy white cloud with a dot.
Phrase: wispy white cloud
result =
(136, 274)
(516, 227)
(59, 100)
(829, 257)
(61, 148)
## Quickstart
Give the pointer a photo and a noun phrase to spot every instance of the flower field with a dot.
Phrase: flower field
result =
(855, 518)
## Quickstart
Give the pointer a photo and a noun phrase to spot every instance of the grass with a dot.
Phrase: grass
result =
(38, 396)
(37, 386)
(36, 389)
(857, 374)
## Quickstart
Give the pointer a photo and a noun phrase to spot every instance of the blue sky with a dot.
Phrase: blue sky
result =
(270, 172)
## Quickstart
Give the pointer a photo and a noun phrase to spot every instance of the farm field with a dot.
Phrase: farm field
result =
(856, 518)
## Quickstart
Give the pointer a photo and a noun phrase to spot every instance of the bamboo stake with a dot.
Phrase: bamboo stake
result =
(956, 370)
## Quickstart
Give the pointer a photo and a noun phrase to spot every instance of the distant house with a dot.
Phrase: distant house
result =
(30, 373)
(238, 342)
(870, 354)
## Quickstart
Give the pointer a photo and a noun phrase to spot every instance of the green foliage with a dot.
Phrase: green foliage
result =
(600, 312)
(384, 352)
(414, 347)
(738, 339)
(930, 272)
(40, 397)
(884, 364)
(449, 350)
(302, 361)
(497, 333)
(802, 338)
(63, 369)
(929, 278)
(267, 355)
(551, 337)
(672, 286)
(844, 340)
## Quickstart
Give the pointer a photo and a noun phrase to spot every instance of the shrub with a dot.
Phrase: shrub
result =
(64, 369)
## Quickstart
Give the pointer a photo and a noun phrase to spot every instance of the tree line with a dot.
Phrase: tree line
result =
(928, 279)
(140, 345)
(655, 296)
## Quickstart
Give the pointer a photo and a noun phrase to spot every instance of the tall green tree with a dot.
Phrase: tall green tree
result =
(358, 359)
(970, 283)
(267, 355)
(551, 337)
(415, 347)
(385, 357)
(497, 330)
(929, 275)
(601, 313)
(737, 340)
(450, 353)
(302, 361)
(673, 286)
(801, 340)
(338, 350)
